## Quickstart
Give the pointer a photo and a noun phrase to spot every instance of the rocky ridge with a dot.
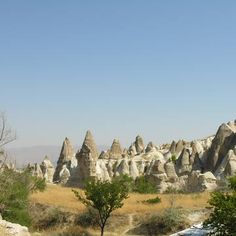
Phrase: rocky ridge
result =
(192, 166)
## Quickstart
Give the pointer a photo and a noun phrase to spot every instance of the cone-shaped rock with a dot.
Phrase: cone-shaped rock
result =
(66, 155)
(87, 158)
(116, 150)
(224, 140)
(139, 144)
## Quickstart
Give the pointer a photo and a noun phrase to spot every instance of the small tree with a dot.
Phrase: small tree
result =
(223, 217)
(105, 197)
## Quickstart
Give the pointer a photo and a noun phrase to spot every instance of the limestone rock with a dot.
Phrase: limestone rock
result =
(115, 150)
(47, 169)
(122, 168)
(183, 165)
(139, 144)
(87, 159)
(173, 147)
(170, 170)
(64, 174)
(14, 229)
(133, 169)
(101, 171)
(224, 140)
(230, 168)
(150, 147)
(103, 155)
(66, 158)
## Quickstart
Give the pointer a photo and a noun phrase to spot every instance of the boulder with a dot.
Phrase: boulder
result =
(64, 174)
(133, 169)
(183, 165)
(139, 145)
(12, 229)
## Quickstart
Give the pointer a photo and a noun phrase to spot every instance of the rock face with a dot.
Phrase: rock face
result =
(13, 229)
(65, 162)
(116, 150)
(87, 159)
(47, 169)
(197, 166)
(224, 140)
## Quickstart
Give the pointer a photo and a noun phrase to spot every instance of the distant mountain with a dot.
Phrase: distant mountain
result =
(24, 155)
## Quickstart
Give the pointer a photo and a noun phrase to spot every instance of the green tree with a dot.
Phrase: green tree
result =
(223, 217)
(15, 190)
(105, 197)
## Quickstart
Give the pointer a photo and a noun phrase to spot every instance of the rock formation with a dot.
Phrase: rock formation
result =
(47, 169)
(87, 158)
(224, 140)
(65, 162)
(197, 165)
(115, 150)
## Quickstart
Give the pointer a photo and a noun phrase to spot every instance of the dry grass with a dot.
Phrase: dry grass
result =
(63, 197)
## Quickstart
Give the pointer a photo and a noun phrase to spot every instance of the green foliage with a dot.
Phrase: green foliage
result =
(173, 158)
(15, 189)
(153, 200)
(223, 217)
(89, 218)
(105, 197)
(142, 185)
(232, 183)
(171, 220)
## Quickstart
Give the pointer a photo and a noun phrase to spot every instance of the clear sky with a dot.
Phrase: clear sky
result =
(162, 69)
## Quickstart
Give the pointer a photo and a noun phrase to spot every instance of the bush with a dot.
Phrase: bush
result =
(74, 231)
(152, 200)
(171, 220)
(223, 217)
(142, 185)
(172, 190)
(15, 189)
(89, 218)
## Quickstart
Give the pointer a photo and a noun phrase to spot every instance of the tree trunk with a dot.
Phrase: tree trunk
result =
(102, 230)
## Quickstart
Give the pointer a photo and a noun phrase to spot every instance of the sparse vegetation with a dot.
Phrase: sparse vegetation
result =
(15, 189)
(223, 217)
(142, 185)
(105, 197)
(152, 200)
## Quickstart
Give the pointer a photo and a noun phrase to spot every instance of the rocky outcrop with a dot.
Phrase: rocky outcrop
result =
(65, 162)
(198, 182)
(115, 151)
(224, 140)
(137, 147)
(11, 229)
(47, 169)
(87, 158)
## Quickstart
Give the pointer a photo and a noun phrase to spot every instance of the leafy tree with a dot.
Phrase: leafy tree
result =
(15, 189)
(105, 197)
(223, 217)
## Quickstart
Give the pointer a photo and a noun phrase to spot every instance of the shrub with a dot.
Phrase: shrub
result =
(15, 189)
(142, 185)
(89, 218)
(152, 200)
(171, 220)
(223, 217)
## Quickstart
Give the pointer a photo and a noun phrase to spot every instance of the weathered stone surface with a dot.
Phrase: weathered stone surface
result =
(103, 155)
(150, 147)
(230, 168)
(12, 229)
(170, 170)
(47, 169)
(224, 140)
(122, 168)
(198, 182)
(87, 159)
(102, 171)
(115, 150)
(183, 165)
(139, 145)
(179, 147)
(173, 147)
(35, 170)
(66, 158)
(64, 174)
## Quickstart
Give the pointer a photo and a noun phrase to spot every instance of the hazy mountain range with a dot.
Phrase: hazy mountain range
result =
(24, 155)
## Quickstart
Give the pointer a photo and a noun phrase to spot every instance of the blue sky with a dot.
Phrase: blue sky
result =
(162, 69)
